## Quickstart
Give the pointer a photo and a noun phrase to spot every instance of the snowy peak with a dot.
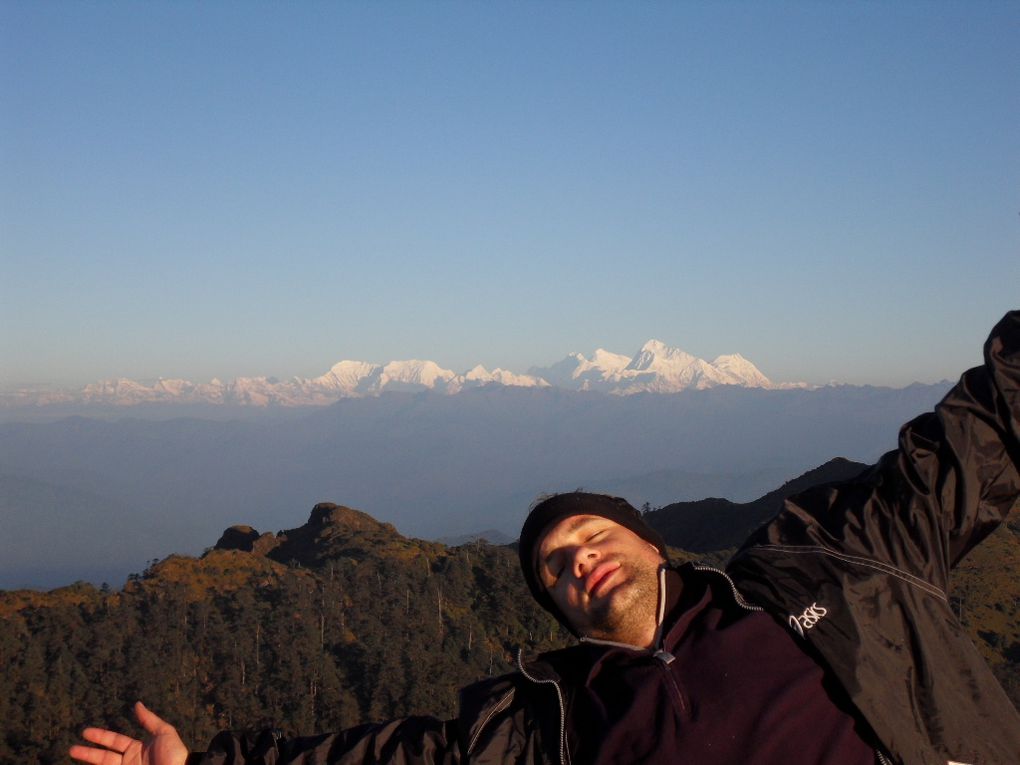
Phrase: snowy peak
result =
(659, 357)
(345, 376)
(413, 375)
(478, 376)
(657, 348)
(579, 372)
(478, 373)
(742, 371)
(655, 368)
(607, 362)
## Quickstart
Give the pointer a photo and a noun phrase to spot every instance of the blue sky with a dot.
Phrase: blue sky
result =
(224, 189)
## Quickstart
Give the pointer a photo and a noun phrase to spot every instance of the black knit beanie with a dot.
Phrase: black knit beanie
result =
(551, 511)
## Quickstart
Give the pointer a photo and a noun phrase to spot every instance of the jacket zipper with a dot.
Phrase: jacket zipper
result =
(665, 658)
(736, 593)
(564, 757)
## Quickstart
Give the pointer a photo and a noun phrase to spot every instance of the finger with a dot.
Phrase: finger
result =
(95, 756)
(152, 722)
(118, 742)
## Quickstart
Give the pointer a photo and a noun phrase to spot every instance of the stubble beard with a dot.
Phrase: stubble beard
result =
(631, 607)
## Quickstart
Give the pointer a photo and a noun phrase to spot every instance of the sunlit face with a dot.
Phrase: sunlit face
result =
(603, 577)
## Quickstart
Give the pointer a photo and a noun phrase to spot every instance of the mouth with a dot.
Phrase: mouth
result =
(598, 580)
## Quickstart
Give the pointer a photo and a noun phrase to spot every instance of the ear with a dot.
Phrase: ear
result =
(657, 552)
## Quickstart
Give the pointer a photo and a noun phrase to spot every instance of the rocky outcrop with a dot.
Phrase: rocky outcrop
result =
(237, 538)
(331, 532)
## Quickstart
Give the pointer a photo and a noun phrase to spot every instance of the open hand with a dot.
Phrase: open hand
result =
(164, 747)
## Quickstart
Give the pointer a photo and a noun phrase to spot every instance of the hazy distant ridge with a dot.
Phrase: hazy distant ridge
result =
(431, 464)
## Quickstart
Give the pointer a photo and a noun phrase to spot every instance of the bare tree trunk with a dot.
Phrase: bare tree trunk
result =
(439, 603)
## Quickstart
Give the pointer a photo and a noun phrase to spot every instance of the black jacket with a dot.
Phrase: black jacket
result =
(859, 570)
(877, 553)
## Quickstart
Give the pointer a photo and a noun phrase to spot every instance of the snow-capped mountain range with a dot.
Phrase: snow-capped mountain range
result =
(655, 368)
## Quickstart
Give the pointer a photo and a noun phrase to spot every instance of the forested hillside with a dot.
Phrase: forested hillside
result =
(357, 623)
(339, 621)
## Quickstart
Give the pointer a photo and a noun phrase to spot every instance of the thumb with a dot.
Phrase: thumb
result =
(152, 722)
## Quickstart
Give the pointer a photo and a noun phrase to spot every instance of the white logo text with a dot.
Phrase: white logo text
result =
(811, 616)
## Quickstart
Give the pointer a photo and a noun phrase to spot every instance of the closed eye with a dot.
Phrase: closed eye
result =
(555, 566)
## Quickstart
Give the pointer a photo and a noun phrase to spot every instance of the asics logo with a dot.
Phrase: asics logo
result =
(811, 616)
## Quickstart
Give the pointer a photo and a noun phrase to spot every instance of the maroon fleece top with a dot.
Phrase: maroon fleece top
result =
(739, 690)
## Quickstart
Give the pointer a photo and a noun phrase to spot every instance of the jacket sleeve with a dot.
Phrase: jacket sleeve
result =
(404, 741)
(952, 480)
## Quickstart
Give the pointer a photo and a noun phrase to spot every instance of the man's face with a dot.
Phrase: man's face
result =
(603, 577)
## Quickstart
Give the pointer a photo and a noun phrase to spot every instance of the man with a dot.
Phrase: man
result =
(829, 640)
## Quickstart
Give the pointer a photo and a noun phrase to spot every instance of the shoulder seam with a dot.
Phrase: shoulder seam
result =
(857, 560)
(502, 704)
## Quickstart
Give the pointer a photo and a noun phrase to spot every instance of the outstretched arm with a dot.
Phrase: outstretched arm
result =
(164, 747)
(953, 479)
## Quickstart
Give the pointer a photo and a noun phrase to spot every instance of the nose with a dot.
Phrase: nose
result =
(585, 559)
